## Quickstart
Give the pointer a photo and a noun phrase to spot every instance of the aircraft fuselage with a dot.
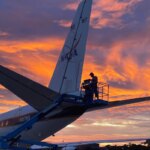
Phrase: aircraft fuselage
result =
(49, 125)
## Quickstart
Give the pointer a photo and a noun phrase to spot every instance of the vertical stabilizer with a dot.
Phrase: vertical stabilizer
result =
(67, 74)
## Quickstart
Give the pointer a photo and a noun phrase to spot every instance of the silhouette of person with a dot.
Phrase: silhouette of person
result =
(94, 82)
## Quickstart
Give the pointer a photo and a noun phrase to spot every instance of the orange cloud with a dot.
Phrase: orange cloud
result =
(115, 10)
(3, 34)
(63, 23)
(46, 44)
(13, 102)
(4, 109)
(28, 55)
(37, 67)
(7, 105)
(71, 6)
(1, 87)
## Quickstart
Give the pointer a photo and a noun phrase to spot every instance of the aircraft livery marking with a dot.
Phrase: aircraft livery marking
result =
(84, 20)
(71, 112)
(72, 53)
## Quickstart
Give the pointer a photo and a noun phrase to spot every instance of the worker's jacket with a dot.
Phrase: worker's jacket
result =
(94, 82)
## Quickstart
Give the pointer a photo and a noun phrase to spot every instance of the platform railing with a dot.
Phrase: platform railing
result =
(103, 90)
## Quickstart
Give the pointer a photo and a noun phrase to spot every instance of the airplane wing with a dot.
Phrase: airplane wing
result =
(36, 95)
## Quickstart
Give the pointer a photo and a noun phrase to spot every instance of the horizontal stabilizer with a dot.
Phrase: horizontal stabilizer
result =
(120, 103)
(129, 101)
(36, 95)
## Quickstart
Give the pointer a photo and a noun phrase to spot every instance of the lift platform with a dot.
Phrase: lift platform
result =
(79, 100)
(102, 90)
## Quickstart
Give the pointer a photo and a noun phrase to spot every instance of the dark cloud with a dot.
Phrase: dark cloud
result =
(135, 25)
(32, 19)
(36, 19)
(142, 12)
(140, 56)
(123, 84)
(107, 37)
(99, 56)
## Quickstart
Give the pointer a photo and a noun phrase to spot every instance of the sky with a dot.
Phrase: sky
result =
(32, 34)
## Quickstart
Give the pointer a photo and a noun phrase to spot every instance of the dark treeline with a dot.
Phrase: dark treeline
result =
(128, 147)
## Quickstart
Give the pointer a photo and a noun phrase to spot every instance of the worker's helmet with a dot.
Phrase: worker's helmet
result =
(91, 74)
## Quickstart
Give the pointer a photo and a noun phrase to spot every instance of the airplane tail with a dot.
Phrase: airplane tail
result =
(68, 71)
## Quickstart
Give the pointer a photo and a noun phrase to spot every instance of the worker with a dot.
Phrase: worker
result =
(94, 82)
(86, 85)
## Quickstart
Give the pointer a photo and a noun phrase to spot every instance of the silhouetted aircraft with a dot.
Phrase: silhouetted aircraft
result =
(52, 108)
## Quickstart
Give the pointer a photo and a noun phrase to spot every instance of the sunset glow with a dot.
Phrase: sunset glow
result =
(32, 34)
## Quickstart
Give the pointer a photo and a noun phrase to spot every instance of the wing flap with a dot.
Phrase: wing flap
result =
(33, 93)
